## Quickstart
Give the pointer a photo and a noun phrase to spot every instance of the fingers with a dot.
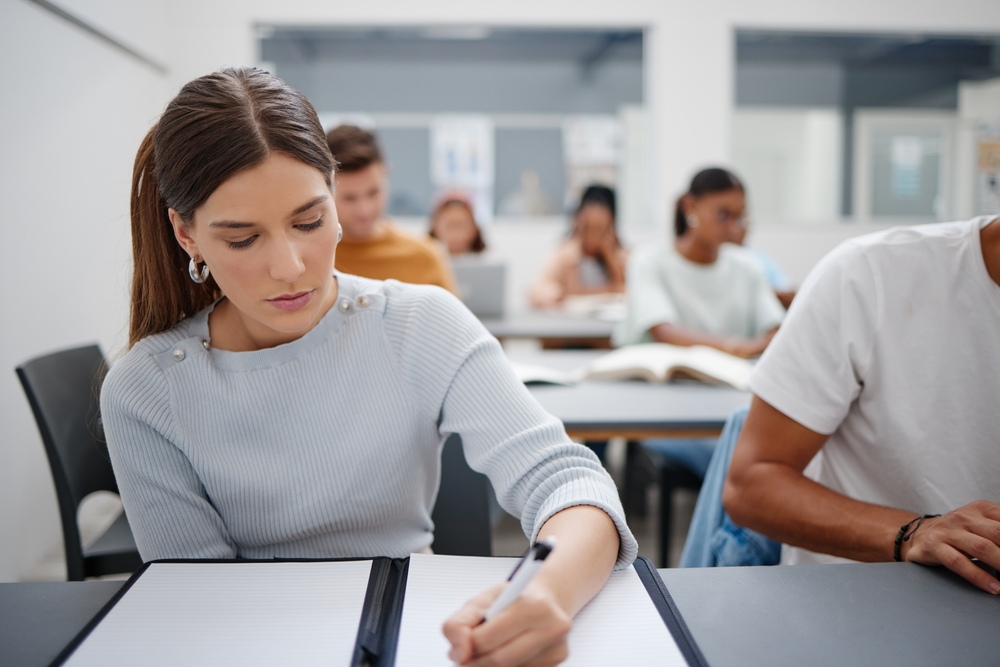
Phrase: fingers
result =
(529, 613)
(458, 629)
(960, 564)
(523, 652)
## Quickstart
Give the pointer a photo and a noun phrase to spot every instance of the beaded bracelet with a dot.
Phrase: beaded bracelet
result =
(903, 536)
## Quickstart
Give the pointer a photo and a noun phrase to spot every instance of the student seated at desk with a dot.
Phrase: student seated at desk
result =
(877, 404)
(273, 407)
(453, 223)
(592, 260)
(700, 290)
(372, 246)
(779, 282)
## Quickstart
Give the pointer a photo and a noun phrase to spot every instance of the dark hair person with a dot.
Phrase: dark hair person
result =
(453, 223)
(592, 260)
(273, 407)
(700, 290)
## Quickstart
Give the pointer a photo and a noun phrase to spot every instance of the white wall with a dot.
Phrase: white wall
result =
(73, 111)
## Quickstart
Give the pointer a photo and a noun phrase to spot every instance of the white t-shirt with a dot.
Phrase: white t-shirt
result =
(730, 297)
(892, 347)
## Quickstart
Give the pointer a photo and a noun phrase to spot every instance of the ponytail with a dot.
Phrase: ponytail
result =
(162, 292)
(218, 125)
(706, 181)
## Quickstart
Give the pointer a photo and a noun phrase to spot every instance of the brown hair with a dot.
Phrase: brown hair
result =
(478, 245)
(353, 148)
(217, 125)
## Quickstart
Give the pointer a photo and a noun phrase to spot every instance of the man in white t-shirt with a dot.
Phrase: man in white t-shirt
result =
(878, 402)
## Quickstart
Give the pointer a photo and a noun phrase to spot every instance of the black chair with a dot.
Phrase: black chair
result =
(63, 390)
(462, 512)
(645, 466)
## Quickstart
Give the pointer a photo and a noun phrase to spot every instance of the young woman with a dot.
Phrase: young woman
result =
(453, 223)
(699, 290)
(272, 407)
(592, 260)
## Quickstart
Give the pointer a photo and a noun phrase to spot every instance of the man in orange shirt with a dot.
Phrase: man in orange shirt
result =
(372, 246)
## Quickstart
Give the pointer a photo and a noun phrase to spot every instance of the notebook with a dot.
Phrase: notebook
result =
(378, 612)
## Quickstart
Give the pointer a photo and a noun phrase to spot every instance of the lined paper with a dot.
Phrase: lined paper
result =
(620, 626)
(244, 614)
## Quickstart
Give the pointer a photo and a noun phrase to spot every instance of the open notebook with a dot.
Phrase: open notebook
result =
(379, 612)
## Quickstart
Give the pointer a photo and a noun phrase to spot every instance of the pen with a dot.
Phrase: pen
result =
(522, 575)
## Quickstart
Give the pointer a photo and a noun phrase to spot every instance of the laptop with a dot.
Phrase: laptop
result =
(481, 286)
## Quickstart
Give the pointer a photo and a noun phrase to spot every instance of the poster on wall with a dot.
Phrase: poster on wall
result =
(988, 170)
(592, 147)
(462, 158)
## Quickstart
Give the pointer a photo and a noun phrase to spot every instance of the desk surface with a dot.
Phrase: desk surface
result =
(634, 410)
(875, 614)
(859, 614)
(543, 324)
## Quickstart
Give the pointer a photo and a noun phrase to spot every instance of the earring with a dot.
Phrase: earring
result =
(196, 275)
(340, 232)
(692, 220)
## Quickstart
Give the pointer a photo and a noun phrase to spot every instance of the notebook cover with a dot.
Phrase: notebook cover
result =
(669, 612)
(378, 631)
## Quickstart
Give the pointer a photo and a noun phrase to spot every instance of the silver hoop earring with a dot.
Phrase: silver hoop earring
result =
(340, 232)
(196, 275)
(692, 220)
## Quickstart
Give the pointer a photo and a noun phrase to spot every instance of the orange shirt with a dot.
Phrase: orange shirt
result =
(395, 254)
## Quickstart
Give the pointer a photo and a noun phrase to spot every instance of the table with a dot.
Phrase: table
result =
(555, 329)
(599, 410)
(857, 614)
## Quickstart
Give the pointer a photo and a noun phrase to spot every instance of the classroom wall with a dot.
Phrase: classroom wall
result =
(73, 112)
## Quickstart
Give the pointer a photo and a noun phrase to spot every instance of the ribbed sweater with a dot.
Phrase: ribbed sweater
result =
(329, 446)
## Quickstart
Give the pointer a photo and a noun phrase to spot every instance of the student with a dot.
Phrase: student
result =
(592, 260)
(699, 290)
(876, 404)
(776, 277)
(273, 407)
(453, 223)
(372, 246)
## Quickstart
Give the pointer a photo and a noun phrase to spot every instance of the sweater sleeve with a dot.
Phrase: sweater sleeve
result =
(534, 467)
(168, 510)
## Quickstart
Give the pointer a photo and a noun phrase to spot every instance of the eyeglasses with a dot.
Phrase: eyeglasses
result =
(724, 217)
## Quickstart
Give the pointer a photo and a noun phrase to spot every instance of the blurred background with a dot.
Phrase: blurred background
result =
(842, 117)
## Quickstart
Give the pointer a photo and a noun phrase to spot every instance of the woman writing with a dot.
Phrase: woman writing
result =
(698, 290)
(592, 260)
(272, 407)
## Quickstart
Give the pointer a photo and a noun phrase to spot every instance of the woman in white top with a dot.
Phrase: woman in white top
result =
(270, 406)
(699, 290)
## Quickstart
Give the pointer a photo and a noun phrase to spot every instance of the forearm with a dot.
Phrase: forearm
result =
(679, 335)
(581, 563)
(780, 502)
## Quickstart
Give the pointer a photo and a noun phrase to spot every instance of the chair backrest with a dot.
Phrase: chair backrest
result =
(63, 390)
(462, 511)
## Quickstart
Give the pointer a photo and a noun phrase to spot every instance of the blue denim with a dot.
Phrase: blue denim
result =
(693, 453)
(713, 539)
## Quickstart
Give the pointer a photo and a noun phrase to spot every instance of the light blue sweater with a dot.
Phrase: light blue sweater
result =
(329, 446)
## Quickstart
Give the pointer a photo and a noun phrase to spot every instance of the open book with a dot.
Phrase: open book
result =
(658, 362)
(378, 612)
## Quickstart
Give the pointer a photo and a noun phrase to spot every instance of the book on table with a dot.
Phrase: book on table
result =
(660, 362)
(378, 612)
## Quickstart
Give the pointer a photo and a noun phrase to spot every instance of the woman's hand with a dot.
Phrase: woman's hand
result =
(531, 631)
(971, 531)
